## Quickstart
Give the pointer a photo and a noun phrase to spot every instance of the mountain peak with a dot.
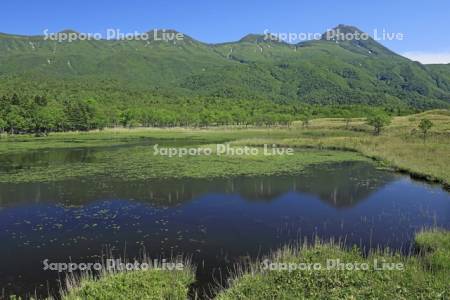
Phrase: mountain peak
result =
(348, 28)
(260, 38)
(343, 32)
(68, 31)
(355, 40)
(252, 38)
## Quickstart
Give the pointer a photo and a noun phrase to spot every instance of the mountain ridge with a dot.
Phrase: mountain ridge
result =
(314, 72)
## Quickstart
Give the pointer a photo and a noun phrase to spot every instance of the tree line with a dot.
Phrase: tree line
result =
(41, 114)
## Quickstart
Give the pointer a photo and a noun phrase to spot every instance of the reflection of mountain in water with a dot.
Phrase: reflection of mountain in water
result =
(341, 185)
(345, 184)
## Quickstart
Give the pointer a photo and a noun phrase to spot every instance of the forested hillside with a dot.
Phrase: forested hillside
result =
(48, 85)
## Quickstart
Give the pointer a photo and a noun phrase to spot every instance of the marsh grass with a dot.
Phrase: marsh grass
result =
(153, 283)
(424, 275)
(400, 146)
(434, 246)
(418, 280)
(140, 163)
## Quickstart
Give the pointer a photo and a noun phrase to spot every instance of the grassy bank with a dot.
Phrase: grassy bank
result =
(122, 136)
(435, 247)
(149, 284)
(421, 276)
(424, 276)
(128, 153)
(399, 146)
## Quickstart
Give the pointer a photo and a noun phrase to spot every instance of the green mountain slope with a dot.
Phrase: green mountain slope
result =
(324, 71)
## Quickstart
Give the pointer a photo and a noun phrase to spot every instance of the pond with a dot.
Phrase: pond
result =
(217, 222)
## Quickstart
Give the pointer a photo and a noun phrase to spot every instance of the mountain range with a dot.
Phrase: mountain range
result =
(325, 71)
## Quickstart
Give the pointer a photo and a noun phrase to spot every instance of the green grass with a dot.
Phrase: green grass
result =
(418, 280)
(149, 284)
(435, 246)
(399, 146)
(140, 162)
(119, 136)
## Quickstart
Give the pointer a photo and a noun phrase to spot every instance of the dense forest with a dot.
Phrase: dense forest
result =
(50, 86)
(42, 115)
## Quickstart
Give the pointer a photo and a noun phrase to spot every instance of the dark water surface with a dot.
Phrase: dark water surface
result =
(218, 222)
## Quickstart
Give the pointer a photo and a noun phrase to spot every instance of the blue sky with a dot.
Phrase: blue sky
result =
(425, 24)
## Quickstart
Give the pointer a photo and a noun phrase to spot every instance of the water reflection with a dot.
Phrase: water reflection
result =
(340, 185)
(217, 221)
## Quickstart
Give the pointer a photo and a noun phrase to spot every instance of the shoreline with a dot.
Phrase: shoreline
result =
(398, 147)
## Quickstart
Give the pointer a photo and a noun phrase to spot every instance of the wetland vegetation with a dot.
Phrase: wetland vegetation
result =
(349, 158)
(93, 188)
(334, 272)
(400, 146)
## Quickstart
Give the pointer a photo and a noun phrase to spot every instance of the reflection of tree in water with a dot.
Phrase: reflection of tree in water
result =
(340, 185)
(45, 158)
(49, 157)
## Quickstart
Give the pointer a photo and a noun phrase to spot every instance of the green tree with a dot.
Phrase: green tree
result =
(378, 121)
(128, 118)
(305, 118)
(3, 125)
(83, 115)
(40, 100)
(424, 126)
(16, 121)
(285, 120)
(47, 119)
(206, 118)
